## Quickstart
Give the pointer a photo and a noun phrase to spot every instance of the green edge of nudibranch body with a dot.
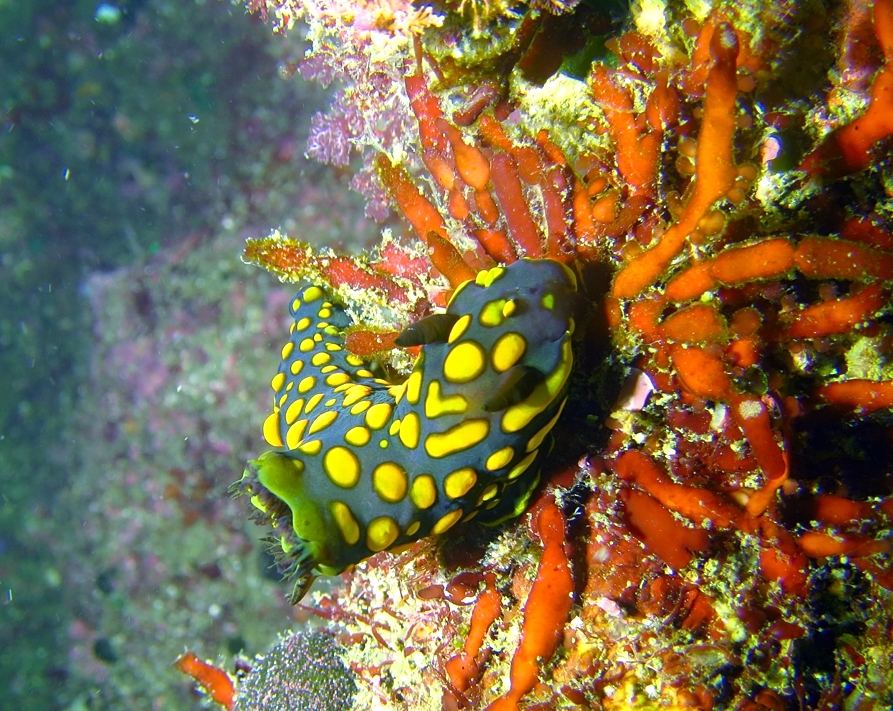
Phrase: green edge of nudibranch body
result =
(363, 464)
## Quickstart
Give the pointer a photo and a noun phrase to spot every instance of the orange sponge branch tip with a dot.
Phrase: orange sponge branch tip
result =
(546, 610)
(215, 682)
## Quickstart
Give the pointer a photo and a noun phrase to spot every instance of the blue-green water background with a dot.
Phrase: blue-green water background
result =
(128, 133)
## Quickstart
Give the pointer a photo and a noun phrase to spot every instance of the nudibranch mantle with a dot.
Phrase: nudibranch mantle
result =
(364, 465)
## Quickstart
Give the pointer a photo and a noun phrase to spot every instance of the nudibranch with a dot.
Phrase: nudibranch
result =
(364, 465)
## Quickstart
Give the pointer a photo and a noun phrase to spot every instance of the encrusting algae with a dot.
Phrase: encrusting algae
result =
(714, 179)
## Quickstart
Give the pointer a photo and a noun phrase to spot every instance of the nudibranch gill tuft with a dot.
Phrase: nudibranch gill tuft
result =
(364, 465)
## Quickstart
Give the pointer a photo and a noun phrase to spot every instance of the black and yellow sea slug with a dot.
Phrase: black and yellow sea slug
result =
(363, 465)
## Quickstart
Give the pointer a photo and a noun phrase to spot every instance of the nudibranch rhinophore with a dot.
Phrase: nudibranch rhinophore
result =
(364, 465)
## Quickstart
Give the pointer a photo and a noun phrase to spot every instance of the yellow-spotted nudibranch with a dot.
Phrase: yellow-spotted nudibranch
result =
(363, 465)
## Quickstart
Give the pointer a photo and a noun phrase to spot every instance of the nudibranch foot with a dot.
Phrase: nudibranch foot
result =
(364, 465)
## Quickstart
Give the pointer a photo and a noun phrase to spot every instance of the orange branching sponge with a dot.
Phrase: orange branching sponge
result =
(859, 395)
(695, 503)
(655, 526)
(847, 150)
(448, 260)
(837, 315)
(716, 170)
(215, 682)
(695, 324)
(701, 372)
(463, 669)
(766, 259)
(546, 610)
(509, 196)
(638, 146)
(422, 215)
(489, 184)
(831, 258)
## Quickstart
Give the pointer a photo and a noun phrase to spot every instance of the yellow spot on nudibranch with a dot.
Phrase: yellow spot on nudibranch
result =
(521, 466)
(460, 482)
(320, 358)
(378, 415)
(486, 277)
(358, 436)
(436, 404)
(271, 430)
(423, 492)
(360, 407)
(313, 402)
(414, 387)
(489, 493)
(463, 436)
(307, 344)
(390, 481)
(500, 458)
(296, 367)
(355, 394)
(491, 313)
(336, 379)
(342, 467)
(287, 350)
(508, 350)
(295, 434)
(465, 362)
(446, 522)
(312, 293)
(347, 524)
(410, 430)
(294, 411)
(459, 328)
(277, 382)
(313, 447)
(303, 324)
(381, 533)
(323, 421)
